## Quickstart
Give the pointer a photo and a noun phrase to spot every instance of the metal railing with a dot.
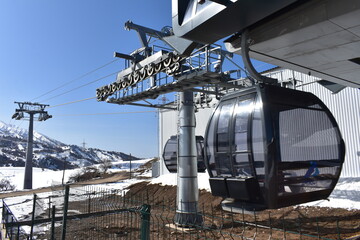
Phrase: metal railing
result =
(9, 223)
(207, 58)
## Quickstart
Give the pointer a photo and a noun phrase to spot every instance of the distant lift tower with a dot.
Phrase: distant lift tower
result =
(31, 109)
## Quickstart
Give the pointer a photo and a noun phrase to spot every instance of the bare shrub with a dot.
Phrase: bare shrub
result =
(5, 185)
(85, 174)
(105, 164)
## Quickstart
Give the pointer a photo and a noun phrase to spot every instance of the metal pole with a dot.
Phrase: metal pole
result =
(66, 204)
(130, 165)
(33, 217)
(29, 155)
(187, 213)
(49, 206)
(145, 222)
(53, 212)
(63, 176)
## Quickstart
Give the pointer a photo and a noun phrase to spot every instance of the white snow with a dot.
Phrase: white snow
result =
(40, 178)
(14, 131)
(126, 164)
(345, 195)
(171, 179)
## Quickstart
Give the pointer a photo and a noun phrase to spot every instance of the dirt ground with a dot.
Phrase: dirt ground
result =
(292, 223)
(298, 222)
(328, 223)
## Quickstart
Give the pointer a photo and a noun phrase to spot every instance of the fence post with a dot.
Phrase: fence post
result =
(337, 228)
(145, 222)
(11, 229)
(33, 217)
(5, 218)
(66, 204)
(49, 206)
(89, 203)
(18, 233)
(53, 212)
(3, 209)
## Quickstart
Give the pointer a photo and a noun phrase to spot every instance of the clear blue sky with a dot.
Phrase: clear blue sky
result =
(46, 43)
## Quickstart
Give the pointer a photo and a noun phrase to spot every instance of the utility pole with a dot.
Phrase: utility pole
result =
(31, 109)
(64, 167)
(83, 144)
(130, 165)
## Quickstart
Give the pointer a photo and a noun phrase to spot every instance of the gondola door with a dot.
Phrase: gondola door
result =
(230, 160)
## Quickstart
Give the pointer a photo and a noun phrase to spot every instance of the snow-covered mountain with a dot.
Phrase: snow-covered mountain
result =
(49, 153)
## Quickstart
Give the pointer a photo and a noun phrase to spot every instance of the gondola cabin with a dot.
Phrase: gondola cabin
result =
(170, 154)
(268, 147)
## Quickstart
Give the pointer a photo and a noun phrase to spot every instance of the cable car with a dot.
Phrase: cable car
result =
(170, 154)
(268, 147)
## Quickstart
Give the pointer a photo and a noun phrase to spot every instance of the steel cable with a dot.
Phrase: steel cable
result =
(86, 84)
(76, 79)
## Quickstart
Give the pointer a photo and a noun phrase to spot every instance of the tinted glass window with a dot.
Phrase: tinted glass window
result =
(241, 155)
(223, 165)
(243, 110)
(231, 155)
(223, 127)
(258, 146)
(170, 154)
(211, 145)
(242, 166)
(217, 148)
(309, 147)
(307, 134)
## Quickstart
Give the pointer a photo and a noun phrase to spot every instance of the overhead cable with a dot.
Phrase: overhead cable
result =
(76, 79)
(86, 84)
(76, 101)
(111, 113)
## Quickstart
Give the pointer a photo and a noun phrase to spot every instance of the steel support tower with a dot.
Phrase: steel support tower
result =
(187, 197)
(31, 109)
(151, 72)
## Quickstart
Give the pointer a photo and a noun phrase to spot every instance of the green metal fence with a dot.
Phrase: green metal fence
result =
(90, 212)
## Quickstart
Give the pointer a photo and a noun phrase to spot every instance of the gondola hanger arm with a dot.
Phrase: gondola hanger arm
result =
(247, 62)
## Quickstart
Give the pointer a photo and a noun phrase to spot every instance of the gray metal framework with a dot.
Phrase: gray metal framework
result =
(31, 109)
(166, 71)
(152, 71)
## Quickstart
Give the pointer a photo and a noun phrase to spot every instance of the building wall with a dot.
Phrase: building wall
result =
(167, 127)
(344, 105)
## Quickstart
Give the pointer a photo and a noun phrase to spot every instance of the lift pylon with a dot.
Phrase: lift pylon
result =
(31, 109)
(150, 72)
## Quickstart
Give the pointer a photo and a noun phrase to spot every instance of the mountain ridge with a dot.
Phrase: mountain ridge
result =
(50, 153)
